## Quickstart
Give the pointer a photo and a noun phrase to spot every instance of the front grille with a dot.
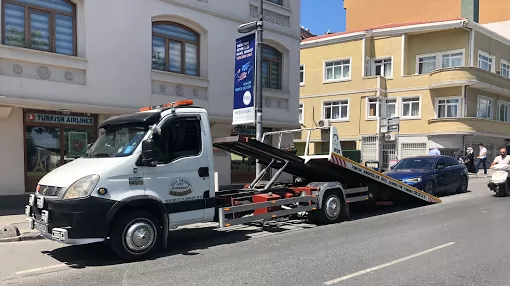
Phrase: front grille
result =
(50, 191)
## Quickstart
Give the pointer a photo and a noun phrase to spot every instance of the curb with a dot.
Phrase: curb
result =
(479, 177)
(31, 236)
(22, 237)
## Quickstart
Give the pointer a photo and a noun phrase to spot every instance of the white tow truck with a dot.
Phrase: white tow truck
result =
(153, 171)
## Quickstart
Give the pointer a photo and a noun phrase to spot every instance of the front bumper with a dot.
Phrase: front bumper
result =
(77, 221)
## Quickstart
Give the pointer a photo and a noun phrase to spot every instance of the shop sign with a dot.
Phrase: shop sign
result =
(59, 119)
(247, 131)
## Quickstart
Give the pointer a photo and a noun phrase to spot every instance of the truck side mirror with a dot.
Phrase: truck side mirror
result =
(148, 156)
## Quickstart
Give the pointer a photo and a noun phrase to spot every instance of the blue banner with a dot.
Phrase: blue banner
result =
(244, 78)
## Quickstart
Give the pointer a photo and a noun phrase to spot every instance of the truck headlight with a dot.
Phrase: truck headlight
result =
(413, 180)
(81, 188)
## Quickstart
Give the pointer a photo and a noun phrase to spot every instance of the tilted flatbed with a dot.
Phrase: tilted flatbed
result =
(323, 168)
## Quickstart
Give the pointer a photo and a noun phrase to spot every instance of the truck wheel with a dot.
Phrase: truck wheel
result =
(135, 235)
(331, 209)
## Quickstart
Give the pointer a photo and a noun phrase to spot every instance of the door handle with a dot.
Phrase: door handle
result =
(203, 172)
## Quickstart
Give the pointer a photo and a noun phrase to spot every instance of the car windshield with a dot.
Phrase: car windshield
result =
(117, 141)
(415, 163)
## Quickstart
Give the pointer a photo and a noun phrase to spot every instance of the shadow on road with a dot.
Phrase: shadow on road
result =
(189, 241)
(181, 241)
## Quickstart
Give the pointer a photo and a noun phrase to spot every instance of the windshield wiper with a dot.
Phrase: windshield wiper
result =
(100, 155)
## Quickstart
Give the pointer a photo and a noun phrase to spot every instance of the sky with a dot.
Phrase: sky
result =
(322, 15)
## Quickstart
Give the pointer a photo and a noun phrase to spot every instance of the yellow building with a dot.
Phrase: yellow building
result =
(447, 81)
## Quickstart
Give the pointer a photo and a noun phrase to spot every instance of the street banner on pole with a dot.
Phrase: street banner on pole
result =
(244, 110)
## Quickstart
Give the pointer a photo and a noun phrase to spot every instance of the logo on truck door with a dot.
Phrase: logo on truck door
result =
(180, 187)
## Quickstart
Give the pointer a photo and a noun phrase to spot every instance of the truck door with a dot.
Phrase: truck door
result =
(181, 178)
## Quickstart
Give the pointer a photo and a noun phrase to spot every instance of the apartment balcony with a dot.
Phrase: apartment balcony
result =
(468, 126)
(471, 76)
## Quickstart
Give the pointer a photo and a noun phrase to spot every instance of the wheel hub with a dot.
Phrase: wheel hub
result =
(140, 236)
(332, 207)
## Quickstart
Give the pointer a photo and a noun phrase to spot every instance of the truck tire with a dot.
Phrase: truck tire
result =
(135, 235)
(332, 209)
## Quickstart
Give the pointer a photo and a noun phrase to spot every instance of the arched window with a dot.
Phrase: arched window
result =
(46, 25)
(175, 48)
(271, 67)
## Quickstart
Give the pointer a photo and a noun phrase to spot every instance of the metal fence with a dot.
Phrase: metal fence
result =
(368, 148)
(413, 149)
(389, 152)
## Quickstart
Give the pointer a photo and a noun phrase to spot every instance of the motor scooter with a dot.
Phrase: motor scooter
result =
(499, 180)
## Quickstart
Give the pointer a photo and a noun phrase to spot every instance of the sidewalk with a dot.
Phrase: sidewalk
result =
(481, 174)
(18, 220)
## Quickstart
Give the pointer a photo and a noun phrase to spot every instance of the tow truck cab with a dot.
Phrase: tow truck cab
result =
(148, 172)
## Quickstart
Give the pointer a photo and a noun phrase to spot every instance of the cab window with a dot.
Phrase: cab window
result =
(180, 137)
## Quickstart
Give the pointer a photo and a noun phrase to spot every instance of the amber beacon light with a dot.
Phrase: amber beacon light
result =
(186, 102)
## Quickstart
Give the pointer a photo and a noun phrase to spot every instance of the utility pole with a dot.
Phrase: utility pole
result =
(258, 80)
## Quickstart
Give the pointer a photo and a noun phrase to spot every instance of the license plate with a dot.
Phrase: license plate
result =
(31, 200)
(28, 210)
(40, 202)
(41, 227)
(58, 235)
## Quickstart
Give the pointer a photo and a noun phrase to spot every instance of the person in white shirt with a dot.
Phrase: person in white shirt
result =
(502, 158)
(482, 159)
(434, 152)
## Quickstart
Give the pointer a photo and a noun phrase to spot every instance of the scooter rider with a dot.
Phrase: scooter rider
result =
(502, 158)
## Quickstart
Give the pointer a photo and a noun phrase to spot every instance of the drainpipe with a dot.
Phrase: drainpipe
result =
(378, 94)
(464, 99)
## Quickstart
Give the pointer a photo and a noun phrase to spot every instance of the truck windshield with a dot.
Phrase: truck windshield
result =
(117, 141)
(415, 163)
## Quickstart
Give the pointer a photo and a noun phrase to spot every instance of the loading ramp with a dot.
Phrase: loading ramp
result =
(318, 168)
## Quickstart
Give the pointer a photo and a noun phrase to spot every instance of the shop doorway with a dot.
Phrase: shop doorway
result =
(53, 139)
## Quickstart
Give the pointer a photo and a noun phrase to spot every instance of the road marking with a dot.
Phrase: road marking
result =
(331, 282)
(41, 268)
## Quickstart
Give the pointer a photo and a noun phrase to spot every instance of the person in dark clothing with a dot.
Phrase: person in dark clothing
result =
(469, 160)
(460, 157)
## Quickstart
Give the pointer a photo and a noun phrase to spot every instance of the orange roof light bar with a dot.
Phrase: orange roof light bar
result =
(186, 102)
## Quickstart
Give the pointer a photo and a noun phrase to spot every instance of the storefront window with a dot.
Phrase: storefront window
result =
(53, 139)
(43, 150)
(76, 141)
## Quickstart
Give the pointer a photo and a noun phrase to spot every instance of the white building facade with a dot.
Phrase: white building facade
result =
(67, 65)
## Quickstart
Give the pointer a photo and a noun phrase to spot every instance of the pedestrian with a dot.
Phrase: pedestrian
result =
(469, 160)
(434, 151)
(482, 159)
(460, 157)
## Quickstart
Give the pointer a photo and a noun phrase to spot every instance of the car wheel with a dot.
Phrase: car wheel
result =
(430, 188)
(463, 187)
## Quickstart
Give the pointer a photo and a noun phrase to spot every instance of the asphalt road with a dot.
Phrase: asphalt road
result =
(459, 242)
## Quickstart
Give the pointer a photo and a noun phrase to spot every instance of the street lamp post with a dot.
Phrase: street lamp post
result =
(247, 28)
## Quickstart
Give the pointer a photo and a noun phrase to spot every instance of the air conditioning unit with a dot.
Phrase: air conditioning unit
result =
(389, 137)
(324, 123)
